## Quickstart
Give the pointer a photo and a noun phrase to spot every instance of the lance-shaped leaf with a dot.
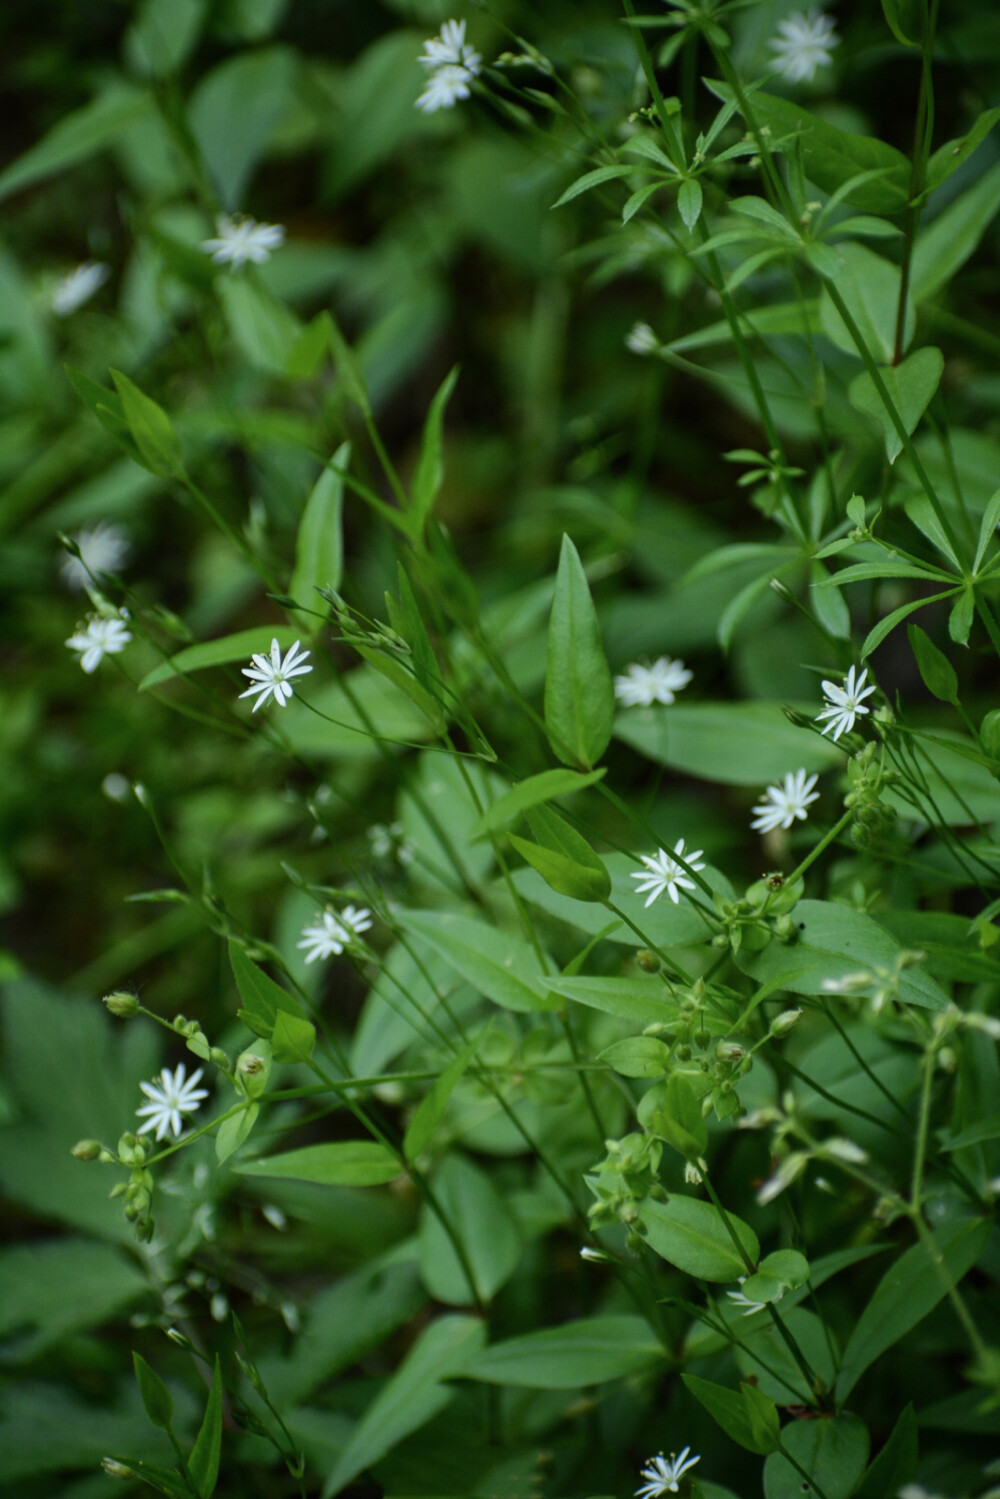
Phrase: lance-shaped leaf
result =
(579, 693)
(319, 545)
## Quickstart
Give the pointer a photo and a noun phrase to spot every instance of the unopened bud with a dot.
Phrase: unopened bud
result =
(647, 960)
(250, 1064)
(87, 1150)
(121, 1003)
(114, 1469)
(729, 1051)
(181, 1339)
(220, 1059)
(783, 1023)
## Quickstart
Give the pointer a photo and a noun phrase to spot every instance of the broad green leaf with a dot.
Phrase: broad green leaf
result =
(671, 1110)
(548, 785)
(430, 464)
(293, 1038)
(430, 1110)
(896, 1464)
(737, 744)
(501, 966)
(234, 110)
(637, 1056)
(563, 874)
(689, 201)
(834, 940)
(575, 1354)
(661, 925)
(949, 240)
(762, 1414)
(949, 157)
(579, 693)
(354, 718)
(833, 1450)
(938, 674)
(640, 999)
(77, 136)
(910, 387)
(730, 1411)
(690, 1234)
(232, 1132)
(962, 614)
(319, 545)
(411, 1397)
(230, 648)
(338, 1163)
(151, 429)
(265, 331)
(155, 1395)
(481, 1221)
(203, 1462)
(908, 1290)
(262, 997)
(869, 285)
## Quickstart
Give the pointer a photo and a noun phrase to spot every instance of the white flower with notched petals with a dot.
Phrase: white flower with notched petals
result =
(355, 920)
(640, 339)
(805, 43)
(785, 802)
(171, 1095)
(242, 239)
(452, 64)
(99, 637)
(662, 1474)
(661, 873)
(78, 287)
(845, 703)
(738, 1299)
(642, 686)
(102, 550)
(272, 675)
(325, 939)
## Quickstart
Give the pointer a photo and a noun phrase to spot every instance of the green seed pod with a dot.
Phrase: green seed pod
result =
(122, 1004)
(87, 1150)
(647, 960)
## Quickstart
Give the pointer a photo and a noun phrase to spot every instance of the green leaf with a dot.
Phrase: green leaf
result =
(292, 1038)
(689, 201)
(987, 528)
(938, 674)
(229, 648)
(910, 386)
(960, 619)
(411, 1397)
(55, 1288)
(266, 332)
(895, 18)
(730, 1411)
(577, 1353)
(949, 157)
(671, 1110)
(162, 36)
(737, 744)
(502, 967)
(235, 109)
(150, 426)
(77, 136)
(262, 997)
(155, 1395)
(579, 693)
(948, 241)
(762, 1414)
(834, 940)
(764, 1357)
(481, 1221)
(207, 1450)
(885, 626)
(593, 179)
(430, 464)
(337, 1163)
(833, 1450)
(691, 1235)
(869, 285)
(896, 1464)
(563, 874)
(319, 545)
(548, 785)
(107, 407)
(637, 1056)
(908, 1290)
(232, 1132)
(348, 366)
(639, 999)
(430, 1110)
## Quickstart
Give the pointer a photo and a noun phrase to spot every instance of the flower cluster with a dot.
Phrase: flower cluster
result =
(452, 65)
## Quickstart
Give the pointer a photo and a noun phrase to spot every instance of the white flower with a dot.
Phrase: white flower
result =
(78, 287)
(98, 638)
(664, 873)
(788, 1170)
(844, 703)
(355, 920)
(640, 339)
(783, 803)
(738, 1299)
(642, 686)
(174, 1095)
(805, 43)
(844, 1150)
(593, 1256)
(102, 550)
(452, 63)
(271, 675)
(334, 931)
(661, 1474)
(241, 239)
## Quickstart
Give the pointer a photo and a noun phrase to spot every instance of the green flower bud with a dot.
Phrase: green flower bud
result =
(783, 1023)
(87, 1150)
(114, 1469)
(122, 1004)
(647, 961)
(221, 1060)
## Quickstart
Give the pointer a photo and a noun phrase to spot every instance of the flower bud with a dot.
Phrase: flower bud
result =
(114, 1469)
(647, 960)
(220, 1059)
(250, 1064)
(182, 1341)
(122, 1004)
(729, 1051)
(783, 1023)
(87, 1150)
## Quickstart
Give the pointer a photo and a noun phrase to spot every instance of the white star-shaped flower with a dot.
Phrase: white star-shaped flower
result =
(78, 287)
(242, 239)
(805, 43)
(355, 919)
(271, 676)
(452, 64)
(844, 703)
(785, 802)
(738, 1299)
(642, 686)
(99, 637)
(662, 1473)
(171, 1096)
(102, 550)
(333, 932)
(664, 873)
